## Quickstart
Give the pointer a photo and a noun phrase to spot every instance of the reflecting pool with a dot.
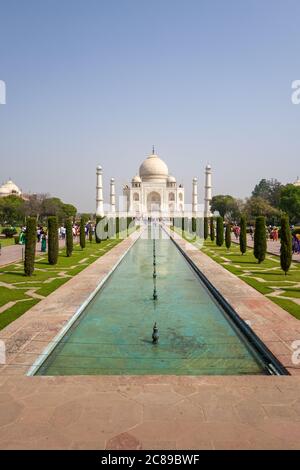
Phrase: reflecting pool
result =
(114, 333)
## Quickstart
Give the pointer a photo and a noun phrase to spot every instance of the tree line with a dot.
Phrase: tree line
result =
(269, 198)
(14, 209)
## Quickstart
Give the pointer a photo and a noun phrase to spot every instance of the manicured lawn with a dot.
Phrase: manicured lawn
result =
(45, 279)
(267, 277)
(7, 241)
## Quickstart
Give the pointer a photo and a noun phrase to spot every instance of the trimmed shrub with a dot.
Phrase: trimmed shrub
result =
(285, 245)
(205, 228)
(98, 239)
(117, 226)
(82, 233)
(220, 231)
(30, 244)
(243, 235)
(228, 236)
(69, 237)
(111, 227)
(52, 239)
(9, 232)
(212, 229)
(260, 239)
(194, 225)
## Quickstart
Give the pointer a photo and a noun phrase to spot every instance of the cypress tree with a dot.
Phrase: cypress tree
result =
(90, 235)
(186, 224)
(199, 227)
(194, 225)
(220, 231)
(98, 220)
(182, 224)
(243, 235)
(123, 226)
(205, 228)
(69, 237)
(212, 229)
(260, 240)
(52, 239)
(111, 227)
(117, 226)
(228, 236)
(82, 232)
(30, 244)
(285, 245)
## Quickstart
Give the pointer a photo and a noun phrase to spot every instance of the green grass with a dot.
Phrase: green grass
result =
(45, 279)
(15, 312)
(7, 242)
(266, 277)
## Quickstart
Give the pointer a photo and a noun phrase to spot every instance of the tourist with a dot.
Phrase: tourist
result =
(251, 232)
(38, 232)
(63, 232)
(43, 242)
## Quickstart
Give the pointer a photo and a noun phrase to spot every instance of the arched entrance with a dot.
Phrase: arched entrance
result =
(153, 202)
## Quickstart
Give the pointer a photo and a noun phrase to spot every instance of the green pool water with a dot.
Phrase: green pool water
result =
(113, 334)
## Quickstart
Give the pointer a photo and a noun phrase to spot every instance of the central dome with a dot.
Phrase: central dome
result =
(153, 168)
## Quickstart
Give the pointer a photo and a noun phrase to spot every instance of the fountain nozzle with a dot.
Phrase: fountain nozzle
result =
(155, 334)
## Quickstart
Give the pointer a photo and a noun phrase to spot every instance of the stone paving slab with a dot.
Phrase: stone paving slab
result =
(150, 412)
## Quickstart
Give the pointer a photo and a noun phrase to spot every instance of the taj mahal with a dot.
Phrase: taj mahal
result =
(155, 192)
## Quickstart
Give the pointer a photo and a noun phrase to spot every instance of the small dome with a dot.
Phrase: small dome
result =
(153, 168)
(208, 167)
(99, 168)
(171, 179)
(136, 179)
(9, 188)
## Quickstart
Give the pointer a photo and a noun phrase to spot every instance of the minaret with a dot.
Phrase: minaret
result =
(112, 195)
(195, 196)
(99, 193)
(208, 191)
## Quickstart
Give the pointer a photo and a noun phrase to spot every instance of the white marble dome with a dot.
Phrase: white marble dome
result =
(9, 188)
(153, 168)
(171, 179)
(136, 179)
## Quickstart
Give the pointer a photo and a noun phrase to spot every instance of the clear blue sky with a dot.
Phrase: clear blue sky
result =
(98, 81)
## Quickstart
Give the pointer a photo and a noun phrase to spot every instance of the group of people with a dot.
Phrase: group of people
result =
(41, 234)
(273, 233)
